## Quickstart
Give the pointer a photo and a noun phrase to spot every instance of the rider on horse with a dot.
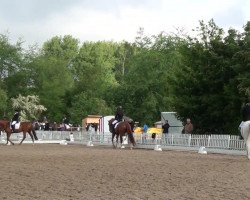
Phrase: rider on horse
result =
(118, 116)
(15, 120)
(246, 111)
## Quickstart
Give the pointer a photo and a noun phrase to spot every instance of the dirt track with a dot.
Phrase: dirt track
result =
(76, 172)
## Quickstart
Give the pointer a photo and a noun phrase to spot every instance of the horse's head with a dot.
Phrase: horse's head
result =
(111, 125)
(111, 121)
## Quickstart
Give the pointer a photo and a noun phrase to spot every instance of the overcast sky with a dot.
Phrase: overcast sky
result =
(36, 21)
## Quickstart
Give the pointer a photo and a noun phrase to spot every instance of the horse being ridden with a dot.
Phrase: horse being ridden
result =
(121, 129)
(24, 127)
(245, 126)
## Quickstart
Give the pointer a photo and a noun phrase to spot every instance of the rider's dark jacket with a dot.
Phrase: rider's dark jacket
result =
(119, 114)
(16, 117)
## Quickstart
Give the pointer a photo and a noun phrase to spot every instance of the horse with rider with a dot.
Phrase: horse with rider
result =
(119, 127)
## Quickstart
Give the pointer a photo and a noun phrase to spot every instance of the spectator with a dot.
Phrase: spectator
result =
(144, 133)
(165, 128)
(188, 128)
(65, 123)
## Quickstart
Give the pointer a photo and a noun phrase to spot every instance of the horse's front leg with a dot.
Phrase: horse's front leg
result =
(24, 136)
(8, 133)
(113, 135)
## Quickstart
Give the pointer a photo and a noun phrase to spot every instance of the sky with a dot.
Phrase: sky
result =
(37, 21)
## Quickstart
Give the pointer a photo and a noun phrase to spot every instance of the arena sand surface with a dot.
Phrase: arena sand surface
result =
(54, 172)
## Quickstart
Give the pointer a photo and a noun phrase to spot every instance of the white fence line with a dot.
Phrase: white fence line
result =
(186, 140)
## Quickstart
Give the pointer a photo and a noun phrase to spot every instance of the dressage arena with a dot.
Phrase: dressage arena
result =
(53, 171)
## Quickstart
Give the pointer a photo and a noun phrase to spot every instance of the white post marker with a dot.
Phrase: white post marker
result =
(157, 146)
(202, 150)
(71, 137)
(63, 142)
(90, 144)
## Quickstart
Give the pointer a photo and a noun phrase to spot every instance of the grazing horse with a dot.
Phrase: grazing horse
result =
(245, 132)
(121, 129)
(24, 127)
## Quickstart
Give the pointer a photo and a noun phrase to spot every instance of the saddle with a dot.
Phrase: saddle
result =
(16, 126)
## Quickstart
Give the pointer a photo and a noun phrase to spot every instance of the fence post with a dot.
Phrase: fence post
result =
(228, 143)
(172, 139)
(208, 142)
(189, 140)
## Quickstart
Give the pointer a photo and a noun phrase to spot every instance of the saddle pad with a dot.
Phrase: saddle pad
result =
(17, 125)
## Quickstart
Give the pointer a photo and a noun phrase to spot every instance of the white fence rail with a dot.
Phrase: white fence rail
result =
(186, 140)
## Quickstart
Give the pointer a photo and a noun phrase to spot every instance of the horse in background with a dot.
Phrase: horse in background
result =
(121, 130)
(25, 127)
(245, 132)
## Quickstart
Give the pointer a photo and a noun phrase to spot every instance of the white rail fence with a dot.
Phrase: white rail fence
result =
(231, 142)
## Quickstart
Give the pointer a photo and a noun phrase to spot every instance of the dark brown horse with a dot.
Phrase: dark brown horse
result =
(121, 130)
(25, 127)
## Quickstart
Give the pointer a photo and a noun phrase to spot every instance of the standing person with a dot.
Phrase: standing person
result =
(144, 133)
(15, 120)
(188, 128)
(165, 128)
(46, 123)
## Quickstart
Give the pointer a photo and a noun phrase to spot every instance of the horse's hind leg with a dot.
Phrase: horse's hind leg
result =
(121, 140)
(32, 137)
(113, 135)
(248, 147)
(24, 136)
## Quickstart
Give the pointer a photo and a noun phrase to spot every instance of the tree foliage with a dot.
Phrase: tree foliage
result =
(29, 106)
(204, 76)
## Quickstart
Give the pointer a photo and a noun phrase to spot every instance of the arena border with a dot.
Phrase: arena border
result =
(170, 148)
(64, 137)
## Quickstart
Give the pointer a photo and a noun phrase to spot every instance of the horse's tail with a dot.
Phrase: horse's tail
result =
(130, 134)
(34, 134)
(131, 138)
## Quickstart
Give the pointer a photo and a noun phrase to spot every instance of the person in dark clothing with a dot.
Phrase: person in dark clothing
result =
(65, 120)
(66, 123)
(165, 128)
(118, 116)
(246, 111)
(15, 120)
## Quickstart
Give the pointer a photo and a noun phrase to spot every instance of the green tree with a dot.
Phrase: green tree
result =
(51, 80)
(93, 68)
(84, 104)
(29, 106)
(202, 87)
(65, 47)
(144, 91)
(3, 102)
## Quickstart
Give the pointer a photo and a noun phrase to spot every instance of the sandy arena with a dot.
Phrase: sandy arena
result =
(52, 172)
